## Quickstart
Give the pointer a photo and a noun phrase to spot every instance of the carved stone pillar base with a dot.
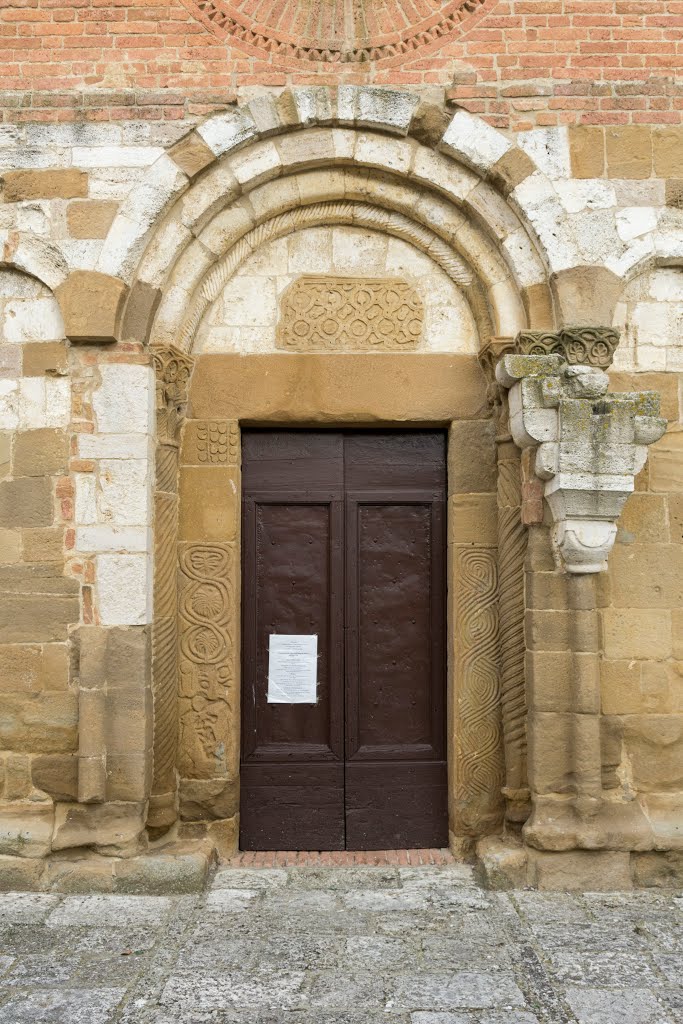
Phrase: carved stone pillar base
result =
(557, 823)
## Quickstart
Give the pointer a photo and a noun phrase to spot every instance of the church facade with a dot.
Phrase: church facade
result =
(358, 327)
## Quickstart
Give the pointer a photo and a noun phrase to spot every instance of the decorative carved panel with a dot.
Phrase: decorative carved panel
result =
(207, 651)
(211, 442)
(587, 346)
(321, 314)
(478, 732)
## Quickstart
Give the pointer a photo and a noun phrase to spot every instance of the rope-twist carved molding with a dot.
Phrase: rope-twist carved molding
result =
(339, 213)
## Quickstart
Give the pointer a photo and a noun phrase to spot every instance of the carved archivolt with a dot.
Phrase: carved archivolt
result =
(207, 636)
(350, 213)
(322, 314)
(480, 764)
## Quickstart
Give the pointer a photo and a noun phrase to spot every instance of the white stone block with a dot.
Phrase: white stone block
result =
(85, 501)
(257, 164)
(252, 302)
(537, 201)
(310, 252)
(9, 404)
(32, 403)
(115, 156)
(385, 153)
(37, 257)
(27, 320)
(369, 106)
(472, 140)
(124, 496)
(358, 252)
(225, 132)
(15, 285)
(523, 258)
(666, 284)
(57, 402)
(549, 149)
(128, 539)
(81, 253)
(448, 176)
(313, 104)
(635, 221)
(115, 446)
(589, 194)
(124, 589)
(124, 401)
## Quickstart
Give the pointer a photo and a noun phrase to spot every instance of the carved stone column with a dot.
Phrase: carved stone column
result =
(512, 538)
(588, 445)
(173, 369)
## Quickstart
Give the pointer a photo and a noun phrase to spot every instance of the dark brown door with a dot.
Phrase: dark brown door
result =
(343, 537)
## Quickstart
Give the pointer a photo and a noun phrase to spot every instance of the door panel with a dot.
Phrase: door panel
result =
(343, 536)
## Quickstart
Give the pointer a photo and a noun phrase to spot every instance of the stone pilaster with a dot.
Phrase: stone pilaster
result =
(173, 370)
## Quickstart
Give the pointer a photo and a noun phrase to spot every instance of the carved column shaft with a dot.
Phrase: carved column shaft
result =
(173, 372)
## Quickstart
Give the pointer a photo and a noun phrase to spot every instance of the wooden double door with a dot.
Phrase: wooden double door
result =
(344, 540)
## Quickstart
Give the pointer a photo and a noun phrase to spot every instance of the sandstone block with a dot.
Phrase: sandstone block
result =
(91, 305)
(644, 520)
(44, 184)
(560, 745)
(25, 829)
(629, 151)
(667, 150)
(587, 151)
(56, 775)
(21, 874)
(31, 667)
(539, 555)
(96, 874)
(474, 519)
(43, 357)
(111, 827)
(662, 687)
(129, 776)
(654, 744)
(658, 869)
(665, 384)
(502, 863)
(636, 633)
(26, 501)
(204, 799)
(562, 630)
(91, 218)
(141, 306)
(5, 453)
(620, 683)
(429, 123)
(37, 618)
(512, 168)
(580, 870)
(562, 681)
(675, 506)
(587, 295)
(209, 503)
(163, 874)
(666, 463)
(40, 452)
(647, 575)
(673, 194)
(43, 545)
(471, 457)
(191, 155)
(10, 547)
(39, 722)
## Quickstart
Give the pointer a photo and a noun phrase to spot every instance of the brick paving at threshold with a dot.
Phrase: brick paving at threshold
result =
(304, 941)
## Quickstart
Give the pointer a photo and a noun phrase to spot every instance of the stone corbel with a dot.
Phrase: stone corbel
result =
(589, 446)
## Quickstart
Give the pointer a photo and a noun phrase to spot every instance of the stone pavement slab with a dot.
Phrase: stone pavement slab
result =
(342, 945)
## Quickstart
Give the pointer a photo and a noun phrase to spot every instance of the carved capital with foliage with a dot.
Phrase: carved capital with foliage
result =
(589, 444)
(578, 346)
(173, 369)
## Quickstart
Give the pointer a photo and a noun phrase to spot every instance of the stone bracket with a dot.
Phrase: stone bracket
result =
(589, 446)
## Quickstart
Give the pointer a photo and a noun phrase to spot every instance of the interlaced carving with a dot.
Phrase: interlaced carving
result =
(207, 628)
(319, 314)
(351, 213)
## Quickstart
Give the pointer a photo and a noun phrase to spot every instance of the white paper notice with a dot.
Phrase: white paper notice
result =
(292, 669)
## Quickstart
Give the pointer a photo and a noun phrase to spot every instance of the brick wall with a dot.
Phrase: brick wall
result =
(519, 63)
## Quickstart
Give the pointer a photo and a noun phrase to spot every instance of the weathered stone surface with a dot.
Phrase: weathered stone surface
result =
(43, 545)
(594, 871)
(91, 218)
(25, 829)
(30, 667)
(191, 154)
(587, 151)
(40, 452)
(26, 502)
(111, 827)
(209, 503)
(40, 722)
(141, 306)
(52, 184)
(667, 150)
(361, 389)
(91, 305)
(203, 799)
(43, 357)
(474, 519)
(162, 874)
(629, 151)
(56, 775)
(472, 456)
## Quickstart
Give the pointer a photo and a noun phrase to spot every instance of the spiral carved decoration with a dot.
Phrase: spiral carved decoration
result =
(478, 741)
